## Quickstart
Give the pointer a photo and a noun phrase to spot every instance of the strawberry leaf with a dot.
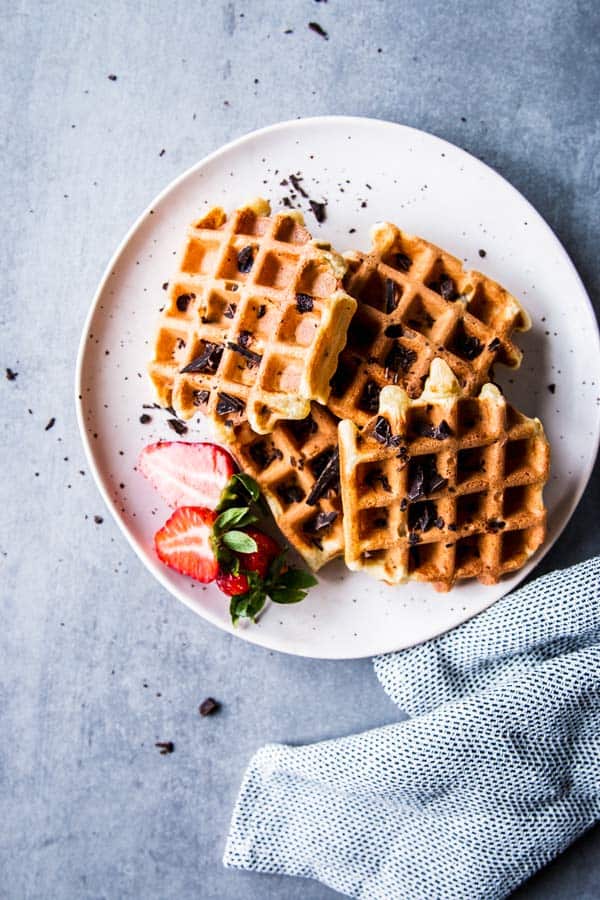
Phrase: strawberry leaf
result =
(239, 542)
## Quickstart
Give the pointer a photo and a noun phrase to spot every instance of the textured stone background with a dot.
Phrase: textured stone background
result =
(97, 661)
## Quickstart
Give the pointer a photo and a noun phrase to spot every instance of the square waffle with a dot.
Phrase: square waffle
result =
(443, 488)
(415, 302)
(255, 321)
(297, 469)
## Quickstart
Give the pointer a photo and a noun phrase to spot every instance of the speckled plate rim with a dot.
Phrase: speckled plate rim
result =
(256, 636)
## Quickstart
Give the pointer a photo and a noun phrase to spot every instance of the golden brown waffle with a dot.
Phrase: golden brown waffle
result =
(415, 303)
(443, 488)
(297, 469)
(255, 321)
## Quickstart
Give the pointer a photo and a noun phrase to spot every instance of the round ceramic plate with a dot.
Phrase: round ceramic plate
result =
(365, 171)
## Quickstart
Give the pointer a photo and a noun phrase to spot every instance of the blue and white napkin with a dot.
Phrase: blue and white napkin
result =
(497, 771)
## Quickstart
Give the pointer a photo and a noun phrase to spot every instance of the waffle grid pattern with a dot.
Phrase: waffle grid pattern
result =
(233, 341)
(404, 321)
(286, 464)
(483, 514)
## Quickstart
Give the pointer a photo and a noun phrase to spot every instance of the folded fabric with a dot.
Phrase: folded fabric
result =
(495, 774)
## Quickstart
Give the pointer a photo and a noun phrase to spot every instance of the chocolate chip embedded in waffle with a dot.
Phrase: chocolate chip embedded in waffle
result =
(255, 321)
(443, 488)
(297, 469)
(415, 302)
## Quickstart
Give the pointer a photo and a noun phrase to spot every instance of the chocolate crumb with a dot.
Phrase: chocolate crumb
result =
(10, 375)
(230, 311)
(199, 398)
(165, 747)
(304, 303)
(165, 285)
(439, 522)
(183, 301)
(177, 426)
(145, 418)
(51, 423)
(208, 707)
(552, 388)
(446, 288)
(261, 311)
(495, 525)
(98, 520)
(314, 26)
(413, 538)
(296, 179)
(318, 210)
(319, 522)
(494, 344)
(112, 77)
(482, 253)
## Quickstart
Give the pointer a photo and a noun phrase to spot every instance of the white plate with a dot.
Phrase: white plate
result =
(367, 170)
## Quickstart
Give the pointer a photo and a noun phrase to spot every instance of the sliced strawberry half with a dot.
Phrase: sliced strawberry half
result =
(187, 474)
(183, 543)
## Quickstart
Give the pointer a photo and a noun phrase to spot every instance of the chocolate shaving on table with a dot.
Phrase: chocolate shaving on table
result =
(208, 707)
(177, 426)
(296, 179)
(165, 747)
(318, 210)
(329, 476)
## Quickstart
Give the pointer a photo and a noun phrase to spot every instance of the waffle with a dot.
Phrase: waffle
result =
(295, 464)
(443, 488)
(415, 303)
(255, 321)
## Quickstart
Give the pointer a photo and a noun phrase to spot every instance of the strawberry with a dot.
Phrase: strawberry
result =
(258, 561)
(184, 543)
(187, 474)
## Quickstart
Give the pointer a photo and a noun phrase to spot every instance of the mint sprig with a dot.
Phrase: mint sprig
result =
(282, 585)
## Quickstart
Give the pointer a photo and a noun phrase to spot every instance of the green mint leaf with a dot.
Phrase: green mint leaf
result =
(285, 595)
(249, 485)
(235, 515)
(296, 579)
(239, 542)
(276, 566)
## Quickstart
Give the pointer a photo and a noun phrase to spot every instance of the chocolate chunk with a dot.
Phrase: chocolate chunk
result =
(261, 311)
(495, 525)
(253, 358)
(208, 361)
(467, 345)
(51, 423)
(263, 455)
(447, 289)
(228, 404)
(145, 418)
(304, 303)
(244, 337)
(230, 311)
(199, 398)
(319, 522)
(403, 262)
(183, 301)
(439, 522)
(394, 331)
(424, 516)
(494, 344)
(382, 432)
(165, 285)
(290, 492)
(329, 477)
(369, 399)
(552, 388)
(10, 375)
(208, 707)
(165, 747)
(112, 77)
(399, 358)
(98, 520)
(391, 296)
(314, 26)
(413, 538)
(375, 477)
(424, 478)
(318, 210)
(177, 426)
(245, 260)
(301, 429)
(438, 432)
(482, 253)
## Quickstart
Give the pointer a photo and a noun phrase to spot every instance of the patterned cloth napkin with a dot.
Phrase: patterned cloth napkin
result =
(497, 771)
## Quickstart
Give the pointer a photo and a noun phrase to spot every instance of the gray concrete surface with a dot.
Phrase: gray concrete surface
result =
(97, 662)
